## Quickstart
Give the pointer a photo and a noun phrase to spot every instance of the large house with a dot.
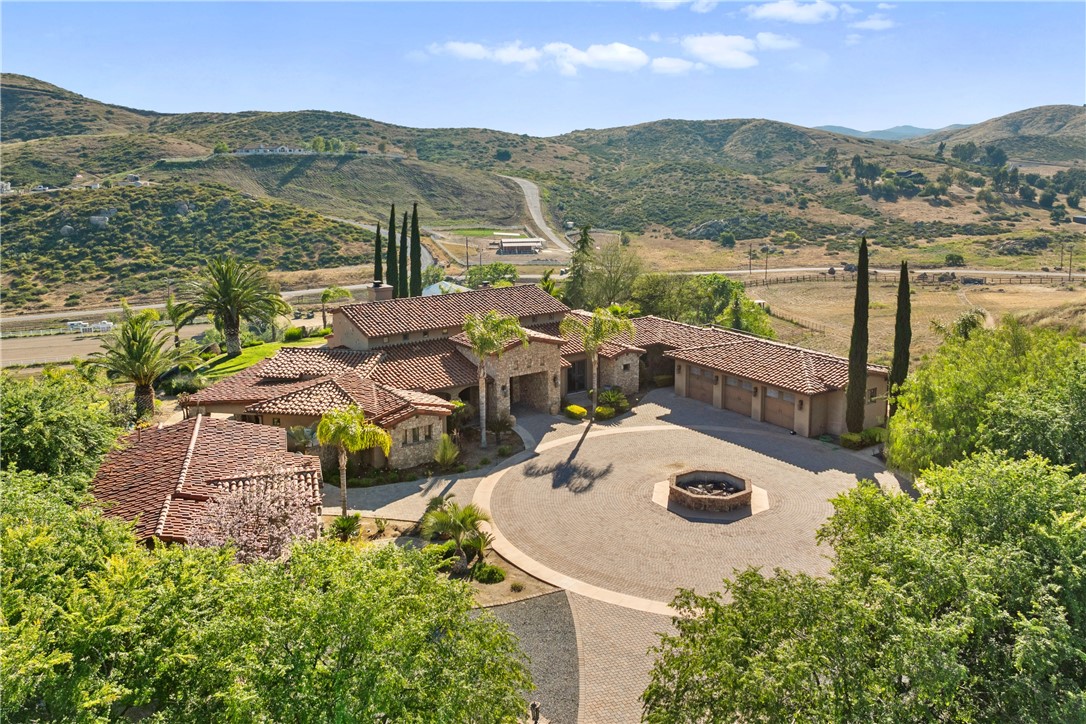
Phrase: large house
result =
(162, 478)
(403, 360)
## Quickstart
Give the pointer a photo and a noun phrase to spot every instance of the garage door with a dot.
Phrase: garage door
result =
(699, 384)
(780, 407)
(737, 395)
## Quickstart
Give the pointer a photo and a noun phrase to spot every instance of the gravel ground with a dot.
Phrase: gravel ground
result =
(547, 636)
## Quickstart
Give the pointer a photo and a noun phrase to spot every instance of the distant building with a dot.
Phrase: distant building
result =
(262, 149)
(443, 288)
(1079, 219)
(822, 169)
(5, 187)
(520, 246)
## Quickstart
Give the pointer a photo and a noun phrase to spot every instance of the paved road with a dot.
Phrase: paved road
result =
(535, 207)
(1055, 276)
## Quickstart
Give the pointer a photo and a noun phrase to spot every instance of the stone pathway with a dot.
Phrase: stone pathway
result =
(613, 650)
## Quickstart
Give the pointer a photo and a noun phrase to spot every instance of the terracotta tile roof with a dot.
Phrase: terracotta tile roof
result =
(773, 363)
(535, 334)
(272, 377)
(161, 477)
(572, 346)
(293, 363)
(414, 314)
(657, 330)
(382, 405)
(431, 365)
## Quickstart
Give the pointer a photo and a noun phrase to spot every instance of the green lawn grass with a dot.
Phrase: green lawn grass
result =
(223, 366)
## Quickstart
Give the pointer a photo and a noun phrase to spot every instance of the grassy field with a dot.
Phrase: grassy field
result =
(829, 304)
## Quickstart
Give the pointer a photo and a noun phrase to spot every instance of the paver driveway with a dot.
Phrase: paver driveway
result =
(582, 506)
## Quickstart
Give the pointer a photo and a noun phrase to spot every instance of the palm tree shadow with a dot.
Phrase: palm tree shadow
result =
(574, 476)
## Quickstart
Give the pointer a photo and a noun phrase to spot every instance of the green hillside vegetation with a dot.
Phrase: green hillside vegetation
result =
(35, 109)
(725, 181)
(1053, 134)
(140, 237)
(359, 186)
(57, 161)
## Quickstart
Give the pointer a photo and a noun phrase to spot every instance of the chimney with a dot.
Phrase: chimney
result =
(379, 292)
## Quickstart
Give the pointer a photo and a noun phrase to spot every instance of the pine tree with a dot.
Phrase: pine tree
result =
(402, 272)
(393, 277)
(416, 253)
(378, 270)
(856, 392)
(903, 336)
(575, 289)
(737, 311)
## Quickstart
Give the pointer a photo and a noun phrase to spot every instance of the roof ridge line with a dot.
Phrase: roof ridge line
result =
(181, 478)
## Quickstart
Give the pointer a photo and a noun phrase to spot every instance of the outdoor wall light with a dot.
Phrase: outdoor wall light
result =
(801, 404)
(716, 379)
(755, 391)
(554, 379)
(505, 391)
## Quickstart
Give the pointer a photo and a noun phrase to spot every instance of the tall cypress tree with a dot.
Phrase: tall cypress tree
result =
(378, 270)
(393, 260)
(903, 336)
(416, 253)
(856, 392)
(402, 272)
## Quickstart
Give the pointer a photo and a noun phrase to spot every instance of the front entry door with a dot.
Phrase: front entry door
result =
(577, 377)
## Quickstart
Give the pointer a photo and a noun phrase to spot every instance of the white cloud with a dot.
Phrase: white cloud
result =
(653, 38)
(847, 9)
(697, 6)
(790, 11)
(515, 53)
(853, 39)
(885, 6)
(723, 51)
(674, 66)
(457, 49)
(613, 56)
(877, 21)
(772, 41)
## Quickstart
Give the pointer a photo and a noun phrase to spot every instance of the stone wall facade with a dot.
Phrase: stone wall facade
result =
(541, 361)
(407, 451)
(621, 372)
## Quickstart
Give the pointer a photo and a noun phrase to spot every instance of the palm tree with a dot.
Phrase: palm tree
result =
(456, 524)
(601, 327)
(229, 291)
(331, 294)
(138, 352)
(179, 314)
(346, 429)
(489, 335)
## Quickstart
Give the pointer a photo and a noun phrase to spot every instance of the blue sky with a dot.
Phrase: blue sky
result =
(549, 68)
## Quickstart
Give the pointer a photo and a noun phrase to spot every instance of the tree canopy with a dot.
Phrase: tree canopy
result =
(1015, 388)
(966, 605)
(96, 627)
(58, 422)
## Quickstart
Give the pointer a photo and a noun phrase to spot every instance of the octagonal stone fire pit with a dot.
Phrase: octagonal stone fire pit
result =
(709, 490)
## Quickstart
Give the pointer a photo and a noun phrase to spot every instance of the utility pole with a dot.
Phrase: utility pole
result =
(766, 278)
(750, 258)
(1062, 245)
(1070, 261)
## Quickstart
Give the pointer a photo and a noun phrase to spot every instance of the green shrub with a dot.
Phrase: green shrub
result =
(874, 435)
(381, 525)
(447, 452)
(663, 380)
(322, 332)
(345, 527)
(615, 399)
(504, 451)
(443, 554)
(489, 574)
(293, 334)
(460, 468)
(516, 586)
(853, 440)
(604, 413)
(576, 412)
(484, 462)
(183, 383)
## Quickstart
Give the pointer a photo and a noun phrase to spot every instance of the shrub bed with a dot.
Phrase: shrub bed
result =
(487, 573)
(604, 413)
(576, 412)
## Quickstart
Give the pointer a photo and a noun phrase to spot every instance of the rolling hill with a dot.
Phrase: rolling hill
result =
(897, 133)
(685, 191)
(1050, 134)
(98, 246)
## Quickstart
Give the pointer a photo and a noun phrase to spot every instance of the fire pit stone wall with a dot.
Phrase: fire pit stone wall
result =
(680, 491)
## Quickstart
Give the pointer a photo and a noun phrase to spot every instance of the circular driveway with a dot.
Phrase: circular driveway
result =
(582, 505)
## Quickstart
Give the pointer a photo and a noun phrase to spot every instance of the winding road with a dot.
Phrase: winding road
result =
(535, 208)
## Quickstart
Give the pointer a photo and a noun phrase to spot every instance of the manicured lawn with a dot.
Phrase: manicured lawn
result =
(223, 366)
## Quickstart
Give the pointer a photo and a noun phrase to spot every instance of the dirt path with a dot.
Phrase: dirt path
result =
(535, 207)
